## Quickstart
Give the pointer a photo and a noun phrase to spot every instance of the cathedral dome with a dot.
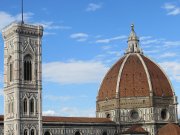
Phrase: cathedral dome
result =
(134, 75)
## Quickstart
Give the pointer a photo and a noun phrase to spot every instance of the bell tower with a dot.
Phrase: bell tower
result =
(22, 79)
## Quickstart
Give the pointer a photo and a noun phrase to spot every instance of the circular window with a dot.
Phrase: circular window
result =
(134, 115)
(164, 114)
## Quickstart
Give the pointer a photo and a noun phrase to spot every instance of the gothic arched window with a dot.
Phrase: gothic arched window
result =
(32, 131)
(32, 106)
(9, 107)
(47, 133)
(77, 133)
(27, 68)
(10, 72)
(25, 105)
(12, 106)
(104, 133)
(25, 132)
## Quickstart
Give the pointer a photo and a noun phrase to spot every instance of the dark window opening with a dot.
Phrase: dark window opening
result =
(25, 106)
(27, 68)
(32, 106)
(164, 114)
(77, 133)
(32, 132)
(11, 72)
(47, 133)
(108, 116)
(104, 133)
(25, 132)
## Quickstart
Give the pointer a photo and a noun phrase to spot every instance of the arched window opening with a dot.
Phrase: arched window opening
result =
(9, 107)
(27, 68)
(108, 116)
(47, 133)
(32, 106)
(12, 107)
(77, 133)
(11, 72)
(104, 133)
(25, 106)
(25, 132)
(32, 131)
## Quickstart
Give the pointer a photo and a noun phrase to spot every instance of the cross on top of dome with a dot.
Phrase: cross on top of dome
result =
(133, 42)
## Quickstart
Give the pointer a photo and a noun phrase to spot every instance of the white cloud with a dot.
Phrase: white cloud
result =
(93, 7)
(7, 18)
(74, 72)
(49, 113)
(52, 26)
(145, 38)
(151, 51)
(58, 98)
(171, 9)
(79, 36)
(71, 112)
(108, 40)
(168, 54)
(150, 41)
(75, 112)
(173, 69)
(45, 33)
(171, 43)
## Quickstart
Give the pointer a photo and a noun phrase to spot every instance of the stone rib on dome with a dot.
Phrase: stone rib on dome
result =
(108, 85)
(134, 79)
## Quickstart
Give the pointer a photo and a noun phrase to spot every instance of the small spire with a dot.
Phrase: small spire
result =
(133, 42)
(22, 12)
(132, 27)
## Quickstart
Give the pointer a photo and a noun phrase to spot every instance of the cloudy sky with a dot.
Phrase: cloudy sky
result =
(83, 38)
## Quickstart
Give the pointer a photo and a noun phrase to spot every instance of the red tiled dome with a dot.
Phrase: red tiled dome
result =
(134, 75)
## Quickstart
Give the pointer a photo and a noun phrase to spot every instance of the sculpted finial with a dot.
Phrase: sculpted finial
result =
(132, 27)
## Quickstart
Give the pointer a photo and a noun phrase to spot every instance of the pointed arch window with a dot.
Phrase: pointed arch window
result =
(25, 132)
(32, 131)
(25, 106)
(9, 107)
(12, 106)
(27, 68)
(47, 133)
(32, 106)
(11, 72)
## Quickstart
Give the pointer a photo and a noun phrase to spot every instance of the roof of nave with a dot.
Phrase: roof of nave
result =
(51, 119)
(76, 119)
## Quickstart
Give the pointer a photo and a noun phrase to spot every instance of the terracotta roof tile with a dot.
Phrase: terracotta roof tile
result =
(108, 86)
(1, 117)
(136, 129)
(169, 129)
(134, 79)
(160, 83)
(71, 119)
(76, 119)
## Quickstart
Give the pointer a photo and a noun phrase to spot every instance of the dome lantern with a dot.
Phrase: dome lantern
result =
(133, 42)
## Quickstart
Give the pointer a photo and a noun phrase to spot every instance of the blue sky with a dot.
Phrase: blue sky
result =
(83, 38)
